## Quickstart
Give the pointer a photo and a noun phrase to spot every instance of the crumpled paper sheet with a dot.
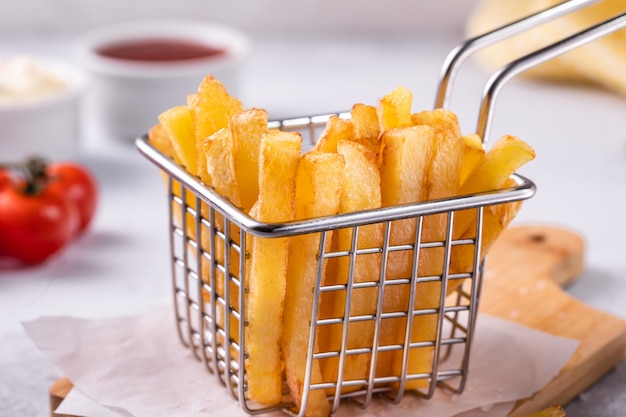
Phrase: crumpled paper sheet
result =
(136, 366)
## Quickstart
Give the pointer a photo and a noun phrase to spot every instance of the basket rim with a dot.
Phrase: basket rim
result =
(524, 189)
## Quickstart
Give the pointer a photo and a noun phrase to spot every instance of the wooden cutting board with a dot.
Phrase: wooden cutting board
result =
(526, 270)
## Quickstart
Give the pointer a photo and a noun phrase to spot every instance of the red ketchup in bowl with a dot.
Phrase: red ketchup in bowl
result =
(159, 50)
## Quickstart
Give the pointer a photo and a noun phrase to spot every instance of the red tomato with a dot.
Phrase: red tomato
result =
(76, 184)
(34, 227)
(5, 179)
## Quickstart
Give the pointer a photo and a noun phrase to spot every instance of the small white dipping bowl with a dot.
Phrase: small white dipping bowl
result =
(45, 125)
(127, 95)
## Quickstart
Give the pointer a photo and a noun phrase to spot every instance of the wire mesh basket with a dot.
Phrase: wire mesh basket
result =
(210, 304)
(210, 240)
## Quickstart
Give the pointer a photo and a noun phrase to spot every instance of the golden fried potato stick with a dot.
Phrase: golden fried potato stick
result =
(336, 129)
(247, 129)
(170, 137)
(444, 181)
(366, 126)
(445, 171)
(166, 140)
(212, 108)
(232, 163)
(360, 191)
(278, 165)
(394, 109)
(220, 162)
(405, 163)
(178, 123)
(318, 189)
(473, 153)
(220, 154)
(160, 139)
(506, 156)
(496, 218)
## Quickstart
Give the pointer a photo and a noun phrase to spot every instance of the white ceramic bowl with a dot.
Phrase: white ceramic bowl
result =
(128, 95)
(45, 125)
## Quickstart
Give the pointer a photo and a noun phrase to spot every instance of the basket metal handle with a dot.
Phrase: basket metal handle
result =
(495, 83)
(500, 77)
(461, 52)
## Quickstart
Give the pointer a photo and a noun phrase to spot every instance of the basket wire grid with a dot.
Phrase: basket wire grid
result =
(209, 253)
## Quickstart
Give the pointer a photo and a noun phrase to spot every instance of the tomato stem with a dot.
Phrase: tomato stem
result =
(33, 170)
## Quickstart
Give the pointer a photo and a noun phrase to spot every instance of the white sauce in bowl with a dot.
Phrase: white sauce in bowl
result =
(23, 78)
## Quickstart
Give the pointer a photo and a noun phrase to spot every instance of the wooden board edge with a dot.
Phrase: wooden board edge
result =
(570, 383)
(58, 391)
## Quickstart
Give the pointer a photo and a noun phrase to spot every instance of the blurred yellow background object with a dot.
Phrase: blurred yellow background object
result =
(602, 62)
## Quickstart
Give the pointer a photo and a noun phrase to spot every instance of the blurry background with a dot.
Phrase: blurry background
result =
(67, 16)
(307, 57)
(362, 49)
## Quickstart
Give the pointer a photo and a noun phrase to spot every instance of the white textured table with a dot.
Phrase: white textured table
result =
(121, 266)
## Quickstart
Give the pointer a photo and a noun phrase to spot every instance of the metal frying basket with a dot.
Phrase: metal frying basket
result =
(209, 248)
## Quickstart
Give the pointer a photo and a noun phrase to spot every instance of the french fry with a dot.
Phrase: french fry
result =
(394, 109)
(318, 189)
(398, 188)
(212, 108)
(336, 129)
(444, 181)
(200, 170)
(505, 157)
(178, 123)
(220, 162)
(247, 129)
(445, 171)
(440, 119)
(406, 160)
(360, 191)
(232, 164)
(552, 411)
(167, 140)
(220, 154)
(496, 218)
(473, 153)
(366, 126)
(278, 164)
(160, 139)
(406, 157)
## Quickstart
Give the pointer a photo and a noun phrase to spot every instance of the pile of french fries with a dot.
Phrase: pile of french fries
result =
(382, 156)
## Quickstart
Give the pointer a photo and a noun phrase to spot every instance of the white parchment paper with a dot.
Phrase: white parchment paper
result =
(136, 366)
